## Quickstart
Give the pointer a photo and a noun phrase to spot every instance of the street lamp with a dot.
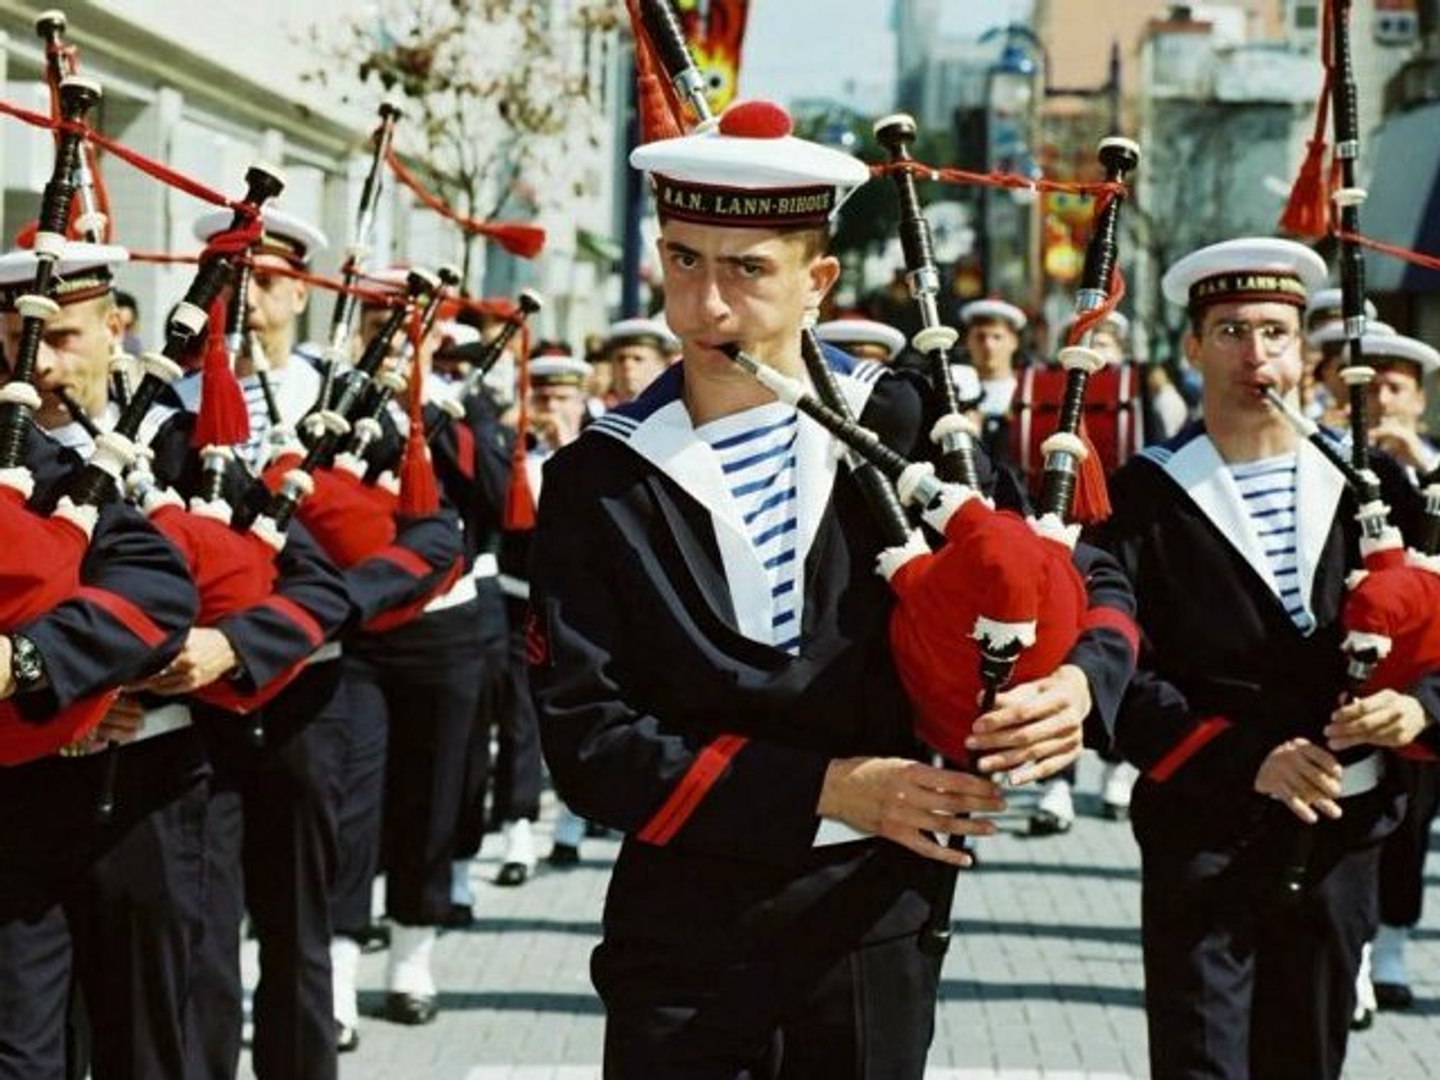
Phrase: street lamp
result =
(1013, 86)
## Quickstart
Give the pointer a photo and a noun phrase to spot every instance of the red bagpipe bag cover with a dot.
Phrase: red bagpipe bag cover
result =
(32, 583)
(995, 566)
(1399, 599)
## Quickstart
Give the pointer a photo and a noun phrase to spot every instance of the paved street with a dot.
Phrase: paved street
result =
(1043, 980)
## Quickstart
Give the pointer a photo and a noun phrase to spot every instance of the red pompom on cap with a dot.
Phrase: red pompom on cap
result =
(756, 120)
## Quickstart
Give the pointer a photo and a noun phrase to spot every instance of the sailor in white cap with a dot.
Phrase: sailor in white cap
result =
(275, 302)
(992, 331)
(709, 661)
(1238, 537)
(1322, 391)
(862, 338)
(1397, 398)
(637, 350)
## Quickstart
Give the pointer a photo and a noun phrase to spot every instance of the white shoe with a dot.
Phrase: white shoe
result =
(408, 971)
(1055, 812)
(1116, 785)
(344, 967)
(461, 895)
(517, 862)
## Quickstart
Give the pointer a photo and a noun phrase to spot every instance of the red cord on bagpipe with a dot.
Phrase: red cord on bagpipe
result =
(518, 238)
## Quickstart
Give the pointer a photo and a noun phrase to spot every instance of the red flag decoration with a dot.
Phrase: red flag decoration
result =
(715, 30)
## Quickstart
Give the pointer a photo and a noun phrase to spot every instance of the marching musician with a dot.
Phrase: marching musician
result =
(636, 351)
(111, 902)
(711, 670)
(275, 301)
(1238, 537)
(992, 330)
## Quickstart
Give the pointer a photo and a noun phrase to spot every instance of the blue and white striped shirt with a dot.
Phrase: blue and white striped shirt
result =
(1268, 488)
(756, 452)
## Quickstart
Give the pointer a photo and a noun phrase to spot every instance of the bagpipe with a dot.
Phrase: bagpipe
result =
(40, 566)
(1391, 611)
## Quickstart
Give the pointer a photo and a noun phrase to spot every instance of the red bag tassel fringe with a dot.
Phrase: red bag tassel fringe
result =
(1092, 494)
(223, 419)
(519, 499)
(419, 494)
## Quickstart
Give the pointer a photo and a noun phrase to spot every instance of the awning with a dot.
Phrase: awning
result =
(1404, 203)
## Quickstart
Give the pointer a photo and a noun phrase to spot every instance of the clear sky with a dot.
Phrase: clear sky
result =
(814, 48)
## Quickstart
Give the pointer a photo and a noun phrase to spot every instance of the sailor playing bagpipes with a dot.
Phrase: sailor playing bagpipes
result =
(711, 662)
(96, 598)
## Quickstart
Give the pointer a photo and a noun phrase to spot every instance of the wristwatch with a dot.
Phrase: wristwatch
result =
(27, 666)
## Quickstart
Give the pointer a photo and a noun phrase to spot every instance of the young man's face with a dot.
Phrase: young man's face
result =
(750, 287)
(991, 344)
(1242, 350)
(74, 356)
(556, 413)
(1397, 394)
(634, 365)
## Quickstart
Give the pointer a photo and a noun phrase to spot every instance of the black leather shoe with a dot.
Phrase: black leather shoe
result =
(347, 1038)
(1393, 995)
(1044, 823)
(513, 873)
(563, 855)
(411, 1009)
(458, 917)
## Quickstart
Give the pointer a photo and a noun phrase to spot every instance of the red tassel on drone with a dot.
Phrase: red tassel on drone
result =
(1092, 494)
(519, 499)
(419, 494)
(223, 419)
(655, 97)
(1307, 211)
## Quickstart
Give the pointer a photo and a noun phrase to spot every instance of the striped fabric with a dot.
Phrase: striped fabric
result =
(249, 451)
(756, 451)
(1268, 488)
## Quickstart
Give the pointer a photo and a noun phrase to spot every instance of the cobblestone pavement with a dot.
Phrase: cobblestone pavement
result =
(1043, 978)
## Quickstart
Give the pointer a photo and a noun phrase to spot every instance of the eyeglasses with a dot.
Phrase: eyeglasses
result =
(1275, 337)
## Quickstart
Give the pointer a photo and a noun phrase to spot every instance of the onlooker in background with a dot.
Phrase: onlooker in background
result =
(637, 350)
(862, 338)
(992, 340)
(129, 312)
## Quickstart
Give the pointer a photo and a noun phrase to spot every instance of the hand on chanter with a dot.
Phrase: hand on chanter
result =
(206, 656)
(1304, 777)
(1035, 729)
(1384, 718)
(909, 802)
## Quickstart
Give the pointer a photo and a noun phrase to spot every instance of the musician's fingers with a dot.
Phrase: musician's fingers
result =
(923, 844)
(1300, 808)
(1048, 725)
(1046, 765)
(1034, 760)
(1318, 757)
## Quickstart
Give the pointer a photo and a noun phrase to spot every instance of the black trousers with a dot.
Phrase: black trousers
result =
(1402, 858)
(1237, 982)
(362, 797)
(519, 764)
(866, 1015)
(272, 850)
(117, 907)
(484, 771)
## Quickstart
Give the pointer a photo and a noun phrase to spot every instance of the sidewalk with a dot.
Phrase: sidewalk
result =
(1043, 978)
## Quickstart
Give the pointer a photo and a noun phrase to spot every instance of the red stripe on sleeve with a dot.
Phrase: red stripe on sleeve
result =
(1203, 731)
(464, 449)
(298, 615)
(1108, 618)
(692, 789)
(406, 560)
(125, 613)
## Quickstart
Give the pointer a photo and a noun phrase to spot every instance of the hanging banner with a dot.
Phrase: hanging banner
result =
(715, 30)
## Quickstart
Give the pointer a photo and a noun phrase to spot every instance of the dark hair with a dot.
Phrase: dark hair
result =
(125, 299)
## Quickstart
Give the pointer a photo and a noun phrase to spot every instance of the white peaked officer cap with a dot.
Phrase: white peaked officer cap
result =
(748, 171)
(1250, 269)
(642, 332)
(861, 332)
(558, 371)
(83, 272)
(1325, 304)
(1382, 347)
(991, 308)
(282, 234)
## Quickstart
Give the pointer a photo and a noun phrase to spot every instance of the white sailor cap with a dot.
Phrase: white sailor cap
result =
(1117, 322)
(748, 171)
(282, 234)
(1252, 268)
(991, 308)
(1389, 347)
(642, 332)
(1333, 333)
(83, 272)
(558, 371)
(857, 331)
(1323, 305)
(454, 333)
